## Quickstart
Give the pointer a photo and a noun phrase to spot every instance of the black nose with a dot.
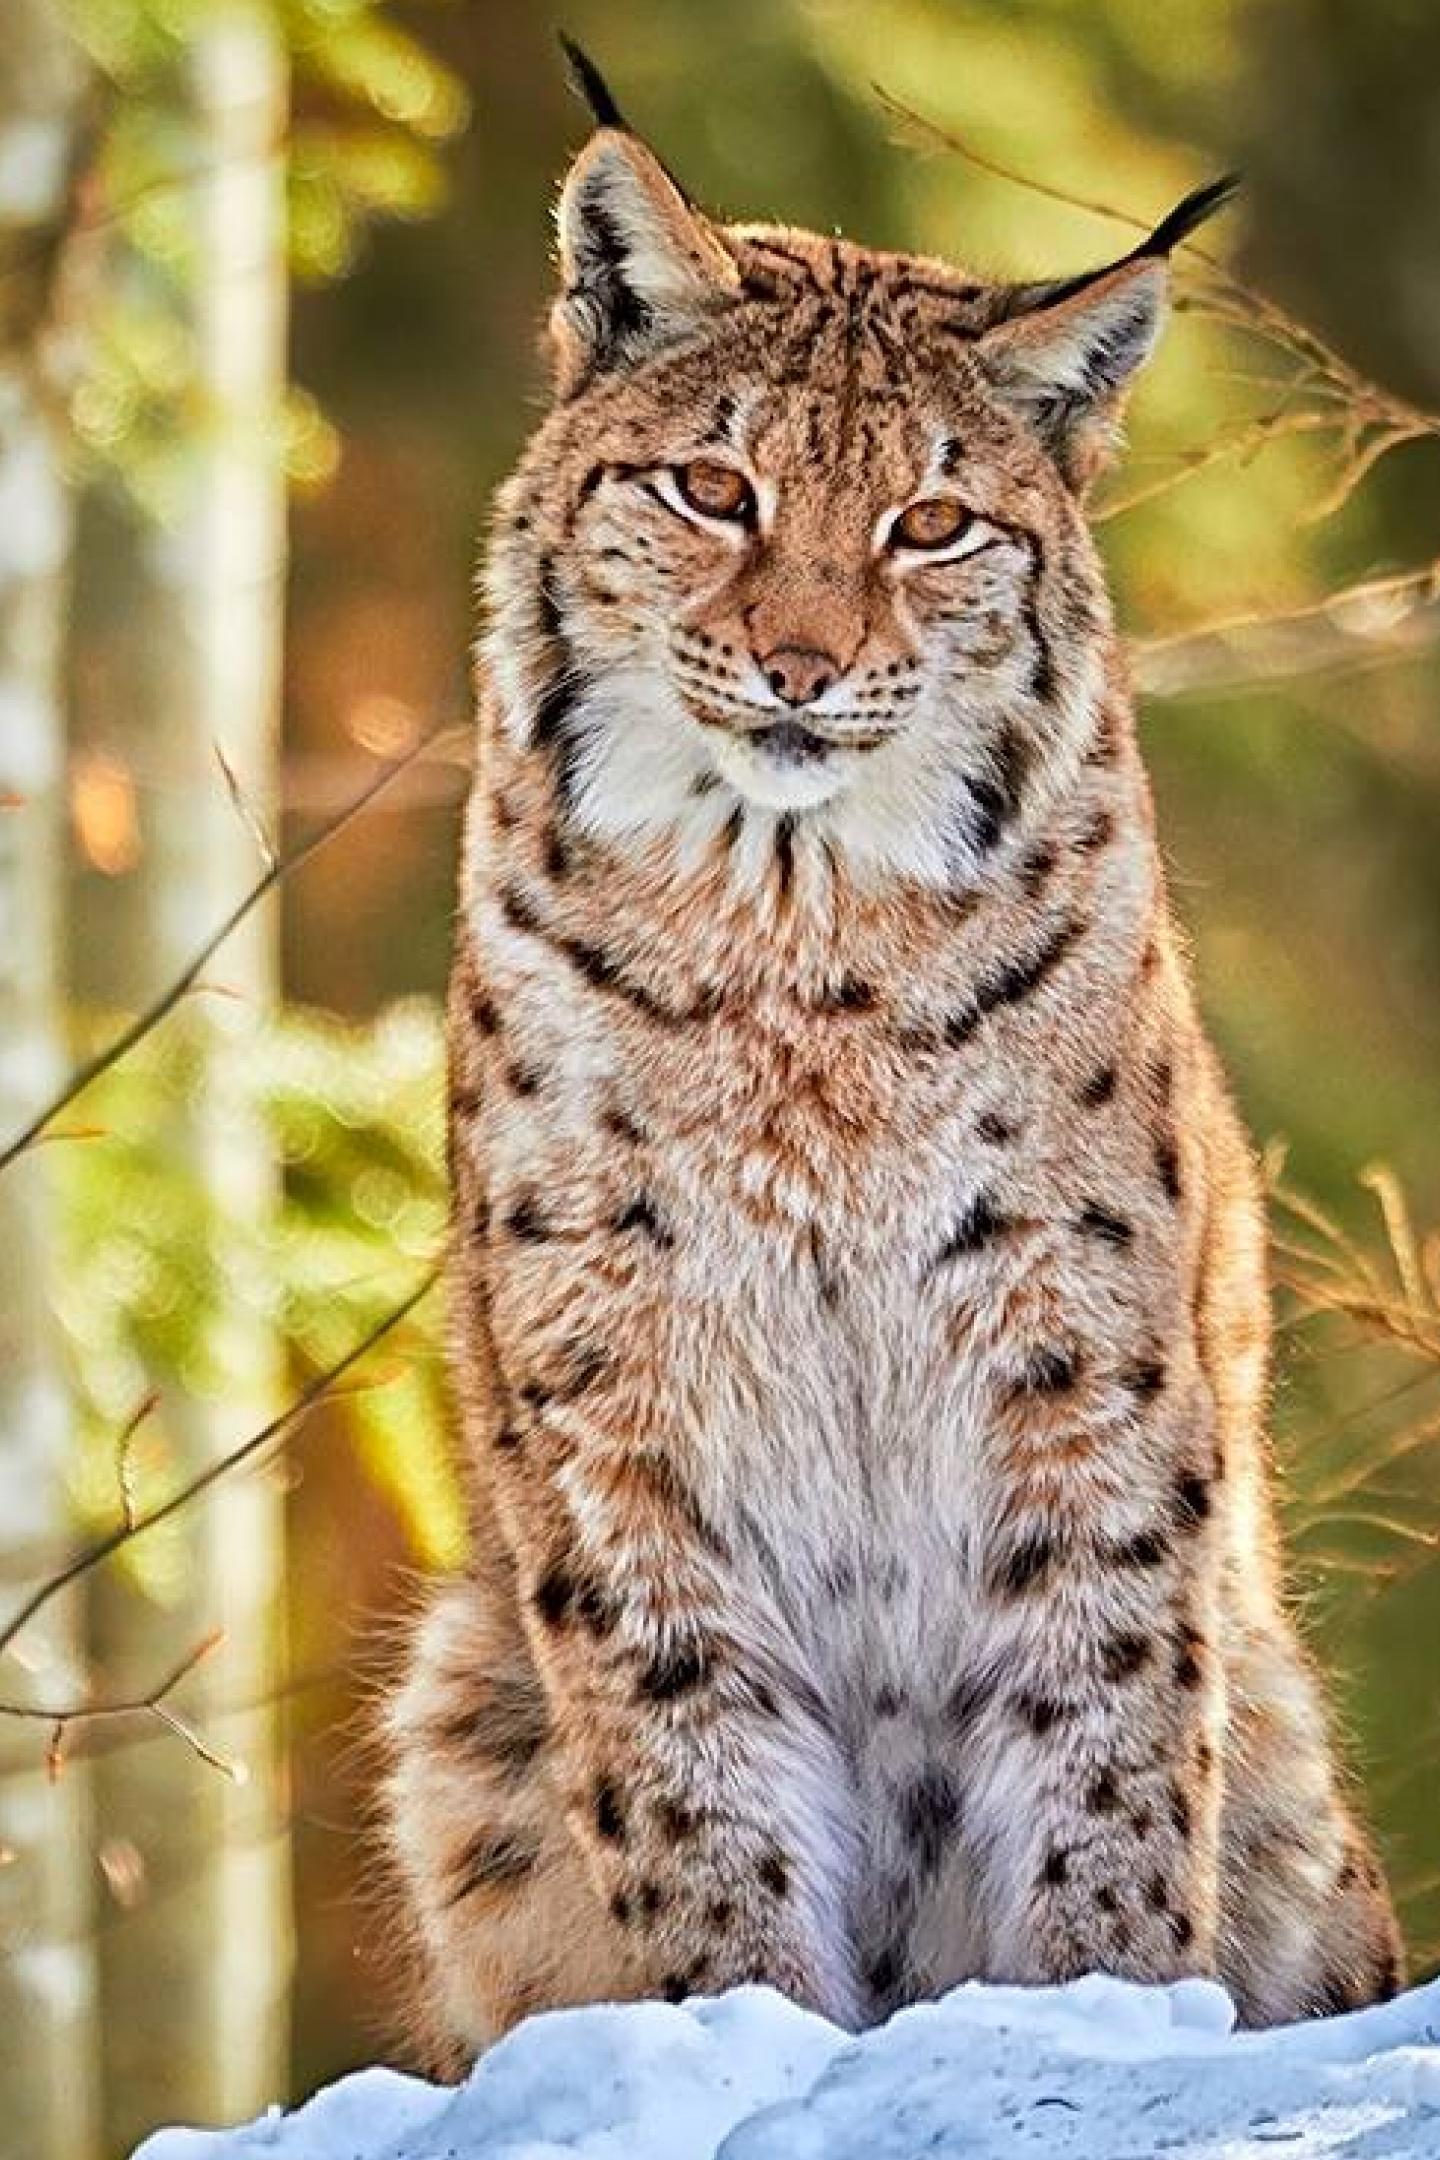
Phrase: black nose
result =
(799, 673)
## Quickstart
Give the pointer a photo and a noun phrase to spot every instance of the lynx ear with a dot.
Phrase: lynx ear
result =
(1065, 352)
(640, 266)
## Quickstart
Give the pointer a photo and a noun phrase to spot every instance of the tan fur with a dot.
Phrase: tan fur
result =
(860, 1310)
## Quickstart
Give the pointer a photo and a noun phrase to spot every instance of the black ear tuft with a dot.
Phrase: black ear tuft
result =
(1189, 214)
(591, 85)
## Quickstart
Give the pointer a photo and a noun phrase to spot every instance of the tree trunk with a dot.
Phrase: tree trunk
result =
(196, 1974)
(47, 1996)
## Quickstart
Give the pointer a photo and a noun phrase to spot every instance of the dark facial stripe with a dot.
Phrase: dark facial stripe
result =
(1042, 676)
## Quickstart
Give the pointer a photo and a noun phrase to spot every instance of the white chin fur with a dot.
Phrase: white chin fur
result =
(762, 778)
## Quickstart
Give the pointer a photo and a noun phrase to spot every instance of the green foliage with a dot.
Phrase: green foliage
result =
(371, 112)
(354, 1117)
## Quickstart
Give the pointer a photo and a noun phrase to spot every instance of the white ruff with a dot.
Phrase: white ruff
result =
(643, 770)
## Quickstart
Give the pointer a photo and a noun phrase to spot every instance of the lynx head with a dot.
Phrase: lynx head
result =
(802, 533)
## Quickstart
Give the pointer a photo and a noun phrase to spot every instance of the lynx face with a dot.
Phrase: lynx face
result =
(802, 533)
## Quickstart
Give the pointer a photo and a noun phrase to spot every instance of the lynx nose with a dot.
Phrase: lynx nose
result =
(799, 673)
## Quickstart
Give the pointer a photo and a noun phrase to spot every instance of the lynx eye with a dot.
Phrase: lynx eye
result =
(716, 491)
(933, 523)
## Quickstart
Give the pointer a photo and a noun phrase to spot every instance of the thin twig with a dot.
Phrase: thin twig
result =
(245, 810)
(153, 1703)
(168, 998)
(92, 1555)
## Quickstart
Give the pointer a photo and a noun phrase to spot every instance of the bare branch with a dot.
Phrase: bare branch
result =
(245, 810)
(92, 1555)
(186, 980)
(153, 1703)
(1388, 615)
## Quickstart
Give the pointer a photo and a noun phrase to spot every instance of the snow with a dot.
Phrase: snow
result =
(1098, 2070)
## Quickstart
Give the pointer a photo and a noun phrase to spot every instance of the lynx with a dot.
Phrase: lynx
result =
(860, 1313)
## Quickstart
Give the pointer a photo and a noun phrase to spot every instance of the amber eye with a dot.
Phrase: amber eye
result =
(933, 523)
(716, 491)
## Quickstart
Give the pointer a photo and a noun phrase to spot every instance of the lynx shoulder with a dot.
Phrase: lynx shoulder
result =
(860, 1310)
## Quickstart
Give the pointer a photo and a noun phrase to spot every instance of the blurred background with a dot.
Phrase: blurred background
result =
(271, 278)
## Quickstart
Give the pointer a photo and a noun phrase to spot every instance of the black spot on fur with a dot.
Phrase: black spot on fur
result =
(1098, 1222)
(621, 1126)
(677, 1986)
(1042, 1713)
(996, 797)
(1036, 869)
(720, 1912)
(609, 1814)
(762, 1696)
(1192, 1499)
(1147, 1549)
(594, 1609)
(1157, 1893)
(1179, 1812)
(981, 1222)
(1167, 1166)
(1188, 1670)
(1099, 1088)
(1025, 1564)
(1056, 1868)
(522, 1078)
(650, 1898)
(848, 995)
(526, 1219)
(555, 1596)
(484, 1014)
(929, 1812)
(1048, 1372)
(966, 1700)
(676, 1670)
(620, 1907)
(1103, 1798)
(997, 1130)
(1106, 1899)
(494, 1859)
(676, 1820)
(639, 1214)
(882, 1974)
(1097, 834)
(774, 1872)
(1144, 1377)
(1183, 1930)
(1124, 1656)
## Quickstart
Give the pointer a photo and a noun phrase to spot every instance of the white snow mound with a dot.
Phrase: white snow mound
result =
(1098, 2070)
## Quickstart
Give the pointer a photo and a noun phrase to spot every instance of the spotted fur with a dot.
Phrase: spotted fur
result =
(860, 1313)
